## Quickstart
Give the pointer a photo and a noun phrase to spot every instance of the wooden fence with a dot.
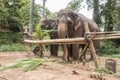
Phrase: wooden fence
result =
(83, 40)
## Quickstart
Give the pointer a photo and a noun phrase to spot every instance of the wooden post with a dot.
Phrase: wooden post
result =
(83, 51)
(28, 48)
(93, 52)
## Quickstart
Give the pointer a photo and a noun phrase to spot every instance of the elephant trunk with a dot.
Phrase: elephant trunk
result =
(62, 33)
(62, 30)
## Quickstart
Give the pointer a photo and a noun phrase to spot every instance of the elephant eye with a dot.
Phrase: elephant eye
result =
(69, 22)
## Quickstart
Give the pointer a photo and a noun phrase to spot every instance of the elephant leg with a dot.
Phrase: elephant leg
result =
(75, 53)
(54, 47)
(69, 47)
(54, 50)
(65, 52)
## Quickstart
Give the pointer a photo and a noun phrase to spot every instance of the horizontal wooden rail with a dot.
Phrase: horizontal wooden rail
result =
(58, 41)
(112, 32)
(104, 37)
(68, 41)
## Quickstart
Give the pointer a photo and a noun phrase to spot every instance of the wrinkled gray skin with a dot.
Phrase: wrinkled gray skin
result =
(70, 25)
(49, 24)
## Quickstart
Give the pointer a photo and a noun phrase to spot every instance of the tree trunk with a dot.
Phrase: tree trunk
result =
(31, 17)
(96, 11)
(44, 1)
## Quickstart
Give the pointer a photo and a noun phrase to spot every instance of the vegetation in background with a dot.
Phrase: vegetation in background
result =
(109, 48)
(14, 14)
(10, 16)
(13, 47)
(74, 5)
(10, 38)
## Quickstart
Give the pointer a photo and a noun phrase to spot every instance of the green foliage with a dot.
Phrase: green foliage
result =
(39, 34)
(110, 15)
(103, 70)
(51, 15)
(26, 64)
(12, 48)
(24, 13)
(15, 13)
(10, 38)
(74, 5)
(10, 16)
(109, 48)
(112, 55)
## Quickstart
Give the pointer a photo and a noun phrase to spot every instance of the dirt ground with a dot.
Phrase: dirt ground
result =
(53, 70)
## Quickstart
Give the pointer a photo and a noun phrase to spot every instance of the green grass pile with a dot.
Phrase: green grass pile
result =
(25, 64)
(103, 70)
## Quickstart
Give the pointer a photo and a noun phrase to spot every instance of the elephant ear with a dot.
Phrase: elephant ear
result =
(53, 24)
(77, 22)
(77, 25)
(75, 18)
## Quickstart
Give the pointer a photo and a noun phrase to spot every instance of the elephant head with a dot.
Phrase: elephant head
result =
(68, 23)
(48, 24)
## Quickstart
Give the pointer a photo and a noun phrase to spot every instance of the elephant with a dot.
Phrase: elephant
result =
(71, 25)
(50, 24)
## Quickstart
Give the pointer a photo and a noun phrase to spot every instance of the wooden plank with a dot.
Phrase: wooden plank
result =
(93, 52)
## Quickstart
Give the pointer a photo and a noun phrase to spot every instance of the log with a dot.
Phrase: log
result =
(103, 32)
(58, 41)
(109, 37)
(83, 51)
(28, 48)
(113, 34)
(106, 35)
